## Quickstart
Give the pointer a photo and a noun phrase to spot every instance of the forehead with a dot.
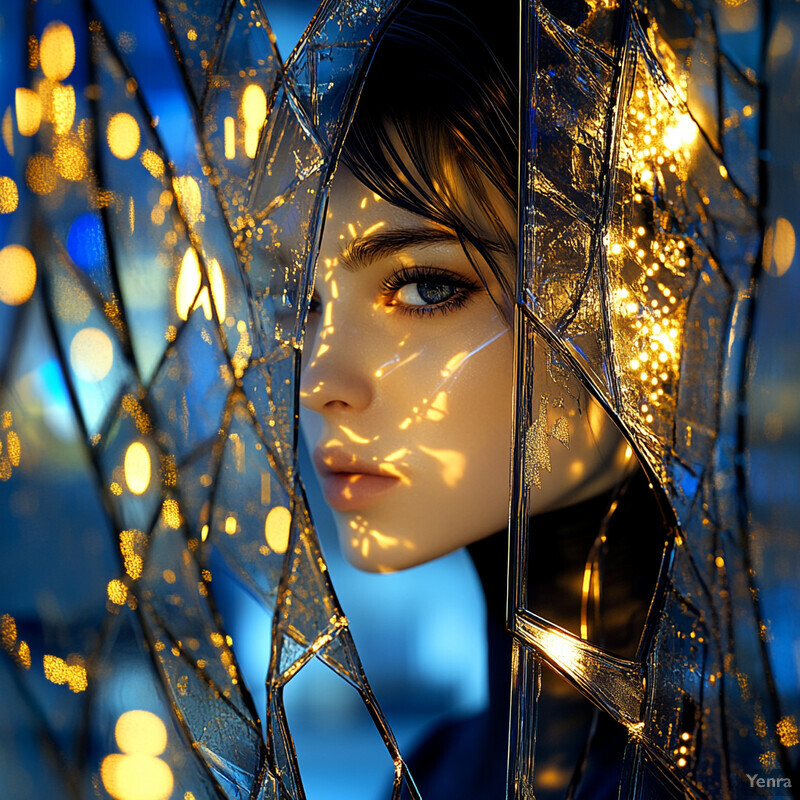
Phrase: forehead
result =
(353, 205)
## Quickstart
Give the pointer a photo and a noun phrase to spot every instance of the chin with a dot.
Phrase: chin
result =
(371, 551)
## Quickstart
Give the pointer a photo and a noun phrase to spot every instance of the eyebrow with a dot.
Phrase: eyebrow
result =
(363, 250)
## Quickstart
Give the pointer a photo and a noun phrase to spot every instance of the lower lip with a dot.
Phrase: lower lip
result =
(355, 491)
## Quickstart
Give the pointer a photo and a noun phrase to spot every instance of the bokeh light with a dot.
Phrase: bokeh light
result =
(137, 468)
(41, 174)
(123, 136)
(57, 51)
(188, 292)
(187, 190)
(136, 777)
(28, 108)
(140, 733)
(254, 113)
(17, 274)
(91, 354)
(277, 527)
(779, 247)
(9, 195)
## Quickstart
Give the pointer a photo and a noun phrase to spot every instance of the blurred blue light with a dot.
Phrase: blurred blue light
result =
(86, 243)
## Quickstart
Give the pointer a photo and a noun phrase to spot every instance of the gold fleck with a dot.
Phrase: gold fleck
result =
(787, 731)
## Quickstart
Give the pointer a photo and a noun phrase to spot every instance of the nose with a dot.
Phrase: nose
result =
(335, 376)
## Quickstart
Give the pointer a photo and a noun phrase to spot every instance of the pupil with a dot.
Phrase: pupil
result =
(434, 293)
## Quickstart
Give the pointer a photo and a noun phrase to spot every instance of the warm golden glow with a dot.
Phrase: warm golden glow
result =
(29, 111)
(8, 131)
(779, 247)
(58, 671)
(277, 527)
(9, 195)
(187, 191)
(561, 649)
(171, 513)
(17, 274)
(123, 136)
(681, 134)
(91, 354)
(132, 544)
(117, 592)
(217, 289)
(40, 174)
(153, 163)
(788, 731)
(452, 464)
(136, 777)
(254, 114)
(137, 468)
(188, 286)
(230, 138)
(57, 51)
(62, 100)
(70, 160)
(140, 733)
(188, 292)
(230, 525)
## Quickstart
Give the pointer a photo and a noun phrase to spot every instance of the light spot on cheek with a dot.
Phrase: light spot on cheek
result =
(576, 469)
(454, 363)
(451, 461)
(438, 410)
(352, 435)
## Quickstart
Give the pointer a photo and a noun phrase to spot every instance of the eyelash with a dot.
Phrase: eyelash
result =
(465, 288)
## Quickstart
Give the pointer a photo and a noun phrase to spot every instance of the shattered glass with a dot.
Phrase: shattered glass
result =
(152, 307)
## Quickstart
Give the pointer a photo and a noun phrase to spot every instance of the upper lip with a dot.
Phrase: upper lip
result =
(333, 461)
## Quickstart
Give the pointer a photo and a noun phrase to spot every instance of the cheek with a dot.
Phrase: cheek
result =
(459, 471)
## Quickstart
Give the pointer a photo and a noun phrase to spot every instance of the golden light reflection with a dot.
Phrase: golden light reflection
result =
(9, 195)
(137, 773)
(680, 134)
(28, 109)
(254, 114)
(140, 732)
(137, 468)
(41, 174)
(70, 159)
(451, 461)
(123, 136)
(561, 649)
(352, 435)
(17, 274)
(132, 545)
(788, 731)
(171, 513)
(230, 138)
(188, 292)
(71, 672)
(153, 163)
(91, 354)
(117, 592)
(779, 247)
(57, 51)
(18, 648)
(62, 108)
(217, 282)
(187, 190)
(277, 528)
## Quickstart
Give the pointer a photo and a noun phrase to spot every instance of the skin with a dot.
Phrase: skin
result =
(407, 392)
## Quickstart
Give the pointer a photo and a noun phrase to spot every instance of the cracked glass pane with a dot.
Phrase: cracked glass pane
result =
(199, 234)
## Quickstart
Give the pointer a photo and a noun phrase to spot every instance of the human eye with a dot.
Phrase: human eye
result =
(428, 290)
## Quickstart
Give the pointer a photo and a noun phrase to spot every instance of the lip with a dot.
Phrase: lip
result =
(350, 484)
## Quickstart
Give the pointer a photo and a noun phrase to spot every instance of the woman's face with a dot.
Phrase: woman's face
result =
(408, 372)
